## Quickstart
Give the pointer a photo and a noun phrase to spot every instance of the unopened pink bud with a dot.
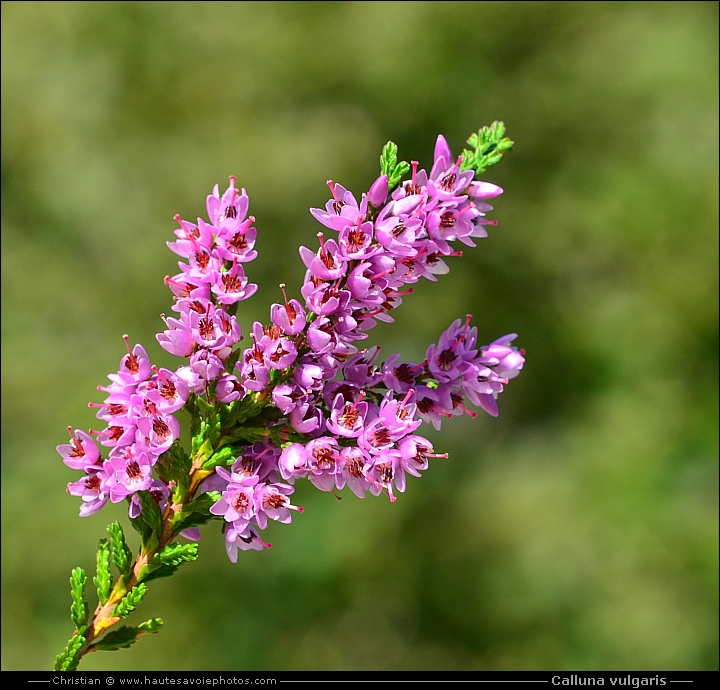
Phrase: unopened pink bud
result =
(378, 192)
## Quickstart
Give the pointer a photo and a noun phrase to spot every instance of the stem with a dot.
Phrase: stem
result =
(103, 618)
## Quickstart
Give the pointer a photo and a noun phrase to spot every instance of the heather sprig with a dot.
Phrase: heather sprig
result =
(302, 400)
(489, 145)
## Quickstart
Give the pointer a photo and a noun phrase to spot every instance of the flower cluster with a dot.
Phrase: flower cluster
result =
(303, 400)
(140, 427)
(142, 398)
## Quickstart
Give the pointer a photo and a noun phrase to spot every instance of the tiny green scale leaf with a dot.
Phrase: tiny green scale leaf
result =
(80, 610)
(130, 601)
(122, 556)
(68, 659)
(175, 554)
(151, 626)
(103, 579)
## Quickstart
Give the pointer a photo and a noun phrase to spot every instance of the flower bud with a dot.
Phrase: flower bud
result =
(378, 192)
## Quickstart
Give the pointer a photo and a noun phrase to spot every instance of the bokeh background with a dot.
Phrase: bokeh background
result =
(576, 531)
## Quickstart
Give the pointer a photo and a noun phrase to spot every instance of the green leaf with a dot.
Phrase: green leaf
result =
(125, 636)
(151, 511)
(142, 528)
(202, 504)
(223, 458)
(79, 610)
(69, 659)
(149, 523)
(177, 554)
(247, 408)
(175, 465)
(488, 144)
(172, 556)
(168, 561)
(388, 158)
(122, 556)
(389, 165)
(202, 449)
(196, 512)
(121, 638)
(130, 601)
(151, 626)
(103, 579)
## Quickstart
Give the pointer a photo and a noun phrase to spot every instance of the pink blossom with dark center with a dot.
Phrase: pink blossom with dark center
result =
(237, 504)
(228, 211)
(158, 432)
(191, 238)
(228, 389)
(81, 453)
(135, 365)
(238, 246)
(355, 241)
(340, 211)
(322, 459)
(171, 392)
(327, 263)
(290, 317)
(231, 286)
(347, 419)
(130, 472)
(92, 489)
(385, 473)
(244, 539)
(280, 354)
(272, 502)
(353, 465)
(307, 419)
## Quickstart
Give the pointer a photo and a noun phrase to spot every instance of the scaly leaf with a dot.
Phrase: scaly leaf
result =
(103, 579)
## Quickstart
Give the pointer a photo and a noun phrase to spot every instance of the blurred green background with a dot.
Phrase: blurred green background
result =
(578, 530)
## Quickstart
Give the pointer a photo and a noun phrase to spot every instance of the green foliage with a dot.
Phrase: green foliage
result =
(122, 556)
(176, 554)
(149, 523)
(103, 580)
(390, 166)
(166, 563)
(223, 458)
(202, 447)
(152, 625)
(195, 512)
(489, 145)
(247, 408)
(126, 636)
(174, 466)
(79, 610)
(246, 434)
(68, 660)
(128, 603)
